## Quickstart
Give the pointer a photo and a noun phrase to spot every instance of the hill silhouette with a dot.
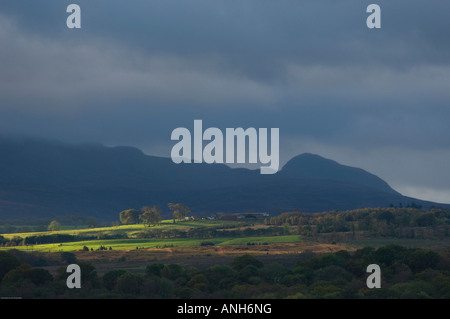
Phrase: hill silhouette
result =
(316, 167)
(43, 178)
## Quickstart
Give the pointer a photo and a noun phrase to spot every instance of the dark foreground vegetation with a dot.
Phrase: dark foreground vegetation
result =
(405, 273)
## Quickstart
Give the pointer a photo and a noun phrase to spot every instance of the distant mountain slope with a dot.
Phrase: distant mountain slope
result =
(43, 178)
(316, 167)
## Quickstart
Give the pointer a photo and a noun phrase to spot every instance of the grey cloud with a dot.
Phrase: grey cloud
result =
(61, 76)
(257, 35)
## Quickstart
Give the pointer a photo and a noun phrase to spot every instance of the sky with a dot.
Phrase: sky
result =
(378, 99)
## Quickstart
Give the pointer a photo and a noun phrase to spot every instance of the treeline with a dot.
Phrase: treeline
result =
(209, 233)
(405, 273)
(409, 222)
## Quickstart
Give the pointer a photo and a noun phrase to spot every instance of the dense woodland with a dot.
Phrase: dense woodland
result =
(395, 222)
(406, 273)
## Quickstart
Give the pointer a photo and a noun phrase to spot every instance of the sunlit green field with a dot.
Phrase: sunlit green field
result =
(143, 243)
(127, 244)
(131, 230)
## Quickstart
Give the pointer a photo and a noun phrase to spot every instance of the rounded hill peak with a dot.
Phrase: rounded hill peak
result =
(312, 166)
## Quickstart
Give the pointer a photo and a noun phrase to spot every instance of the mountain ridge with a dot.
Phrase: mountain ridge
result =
(51, 178)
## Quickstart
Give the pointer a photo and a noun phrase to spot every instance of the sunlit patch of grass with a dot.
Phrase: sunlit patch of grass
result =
(130, 242)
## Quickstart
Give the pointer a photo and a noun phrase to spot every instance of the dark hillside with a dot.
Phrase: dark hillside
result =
(43, 178)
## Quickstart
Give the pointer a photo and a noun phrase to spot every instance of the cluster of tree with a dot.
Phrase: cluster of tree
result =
(405, 273)
(152, 216)
(180, 211)
(149, 216)
(10, 242)
(85, 248)
(54, 238)
(54, 226)
(42, 239)
(409, 222)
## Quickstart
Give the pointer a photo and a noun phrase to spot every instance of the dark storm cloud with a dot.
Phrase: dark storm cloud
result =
(256, 33)
(138, 69)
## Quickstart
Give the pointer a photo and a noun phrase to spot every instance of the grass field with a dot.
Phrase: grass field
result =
(131, 242)
(131, 230)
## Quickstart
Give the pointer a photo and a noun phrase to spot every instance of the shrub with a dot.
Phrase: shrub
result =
(241, 262)
(207, 243)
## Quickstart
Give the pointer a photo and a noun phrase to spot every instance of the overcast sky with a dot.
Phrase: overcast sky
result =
(136, 70)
